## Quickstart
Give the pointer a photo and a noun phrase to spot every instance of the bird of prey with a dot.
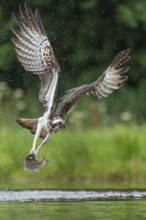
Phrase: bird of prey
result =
(36, 54)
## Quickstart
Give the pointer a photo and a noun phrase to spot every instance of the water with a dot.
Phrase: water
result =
(59, 195)
(70, 205)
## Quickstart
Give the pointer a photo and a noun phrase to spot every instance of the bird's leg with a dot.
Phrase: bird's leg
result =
(48, 136)
(37, 135)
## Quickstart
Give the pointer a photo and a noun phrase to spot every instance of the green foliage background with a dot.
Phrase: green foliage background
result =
(86, 35)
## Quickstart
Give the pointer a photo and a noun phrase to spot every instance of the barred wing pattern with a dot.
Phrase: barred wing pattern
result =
(109, 81)
(35, 53)
(113, 76)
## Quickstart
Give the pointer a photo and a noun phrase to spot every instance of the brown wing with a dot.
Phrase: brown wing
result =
(35, 52)
(30, 124)
(110, 80)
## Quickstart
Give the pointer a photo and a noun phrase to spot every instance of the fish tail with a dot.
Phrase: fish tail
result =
(44, 162)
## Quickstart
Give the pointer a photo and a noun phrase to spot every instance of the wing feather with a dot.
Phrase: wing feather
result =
(112, 79)
(39, 22)
(31, 125)
(35, 52)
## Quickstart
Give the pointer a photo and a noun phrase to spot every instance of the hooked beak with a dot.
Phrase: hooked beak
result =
(63, 126)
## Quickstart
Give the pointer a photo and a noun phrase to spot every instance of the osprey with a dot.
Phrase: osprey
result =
(36, 54)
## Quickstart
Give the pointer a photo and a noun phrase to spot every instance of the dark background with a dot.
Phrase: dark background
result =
(86, 36)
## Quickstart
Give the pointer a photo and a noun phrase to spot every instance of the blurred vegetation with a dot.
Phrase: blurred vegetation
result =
(106, 158)
(86, 36)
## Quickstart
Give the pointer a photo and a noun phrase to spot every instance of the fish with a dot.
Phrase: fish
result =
(31, 163)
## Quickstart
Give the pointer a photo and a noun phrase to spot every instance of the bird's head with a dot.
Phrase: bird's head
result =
(57, 123)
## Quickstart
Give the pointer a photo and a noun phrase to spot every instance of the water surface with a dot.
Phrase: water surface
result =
(111, 210)
(59, 195)
(72, 205)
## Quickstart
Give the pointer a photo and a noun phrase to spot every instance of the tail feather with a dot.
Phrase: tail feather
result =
(30, 124)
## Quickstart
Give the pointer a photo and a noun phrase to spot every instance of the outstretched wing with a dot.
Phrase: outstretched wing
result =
(35, 53)
(109, 81)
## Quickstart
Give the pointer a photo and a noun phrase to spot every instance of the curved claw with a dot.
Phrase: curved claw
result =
(32, 157)
(31, 163)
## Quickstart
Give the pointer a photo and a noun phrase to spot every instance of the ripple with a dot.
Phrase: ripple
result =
(58, 195)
